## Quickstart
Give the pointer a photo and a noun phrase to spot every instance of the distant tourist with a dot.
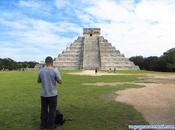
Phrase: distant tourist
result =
(48, 76)
(114, 69)
(96, 71)
(109, 69)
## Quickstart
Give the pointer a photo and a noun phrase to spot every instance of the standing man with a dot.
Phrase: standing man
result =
(48, 76)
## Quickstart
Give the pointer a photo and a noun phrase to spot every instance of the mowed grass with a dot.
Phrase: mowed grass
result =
(84, 105)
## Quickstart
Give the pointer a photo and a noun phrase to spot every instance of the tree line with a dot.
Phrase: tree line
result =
(164, 63)
(9, 64)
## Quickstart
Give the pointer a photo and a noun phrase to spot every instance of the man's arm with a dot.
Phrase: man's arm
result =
(58, 77)
(39, 78)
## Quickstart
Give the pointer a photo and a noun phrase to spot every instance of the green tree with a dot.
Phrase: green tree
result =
(169, 60)
(138, 60)
(10, 64)
(166, 62)
(151, 63)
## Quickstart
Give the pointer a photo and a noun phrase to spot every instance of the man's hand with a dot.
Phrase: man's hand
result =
(39, 81)
(59, 81)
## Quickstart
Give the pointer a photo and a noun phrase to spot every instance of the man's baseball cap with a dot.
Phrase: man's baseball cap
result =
(48, 59)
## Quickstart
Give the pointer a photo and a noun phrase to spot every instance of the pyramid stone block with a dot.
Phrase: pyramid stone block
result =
(92, 51)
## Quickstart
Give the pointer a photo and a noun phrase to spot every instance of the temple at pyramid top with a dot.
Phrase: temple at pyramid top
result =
(91, 31)
(92, 51)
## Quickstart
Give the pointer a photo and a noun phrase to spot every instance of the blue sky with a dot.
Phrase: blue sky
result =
(33, 29)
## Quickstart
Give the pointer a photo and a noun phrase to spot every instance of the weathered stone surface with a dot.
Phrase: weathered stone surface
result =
(92, 51)
(91, 56)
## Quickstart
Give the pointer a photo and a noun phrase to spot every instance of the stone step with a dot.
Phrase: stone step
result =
(114, 65)
(115, 61)
(69, 58)
(67, 63)
(69, 67)
(75, 43)
(111, 55)
(69, 55)
(108, 51)
(103, 40)
(75, 47)
(113, 58)
(71, 51)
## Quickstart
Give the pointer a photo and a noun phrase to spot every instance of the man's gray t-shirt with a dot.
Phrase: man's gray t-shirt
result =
(48, 77)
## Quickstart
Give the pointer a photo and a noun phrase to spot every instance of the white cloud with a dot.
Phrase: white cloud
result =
(13, 24)
(35, 7)
(108, 11)
(144, 29)
(157, 11)
(29, 4)
(39, 31)
(48, 37)
(62, 3)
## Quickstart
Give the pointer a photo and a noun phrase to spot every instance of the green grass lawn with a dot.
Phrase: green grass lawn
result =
(84, 105)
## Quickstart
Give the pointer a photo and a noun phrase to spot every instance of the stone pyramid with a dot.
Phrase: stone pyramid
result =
(92, 51)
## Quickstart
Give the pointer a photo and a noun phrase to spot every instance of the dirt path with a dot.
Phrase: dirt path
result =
(156, 101)
(92, 73)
